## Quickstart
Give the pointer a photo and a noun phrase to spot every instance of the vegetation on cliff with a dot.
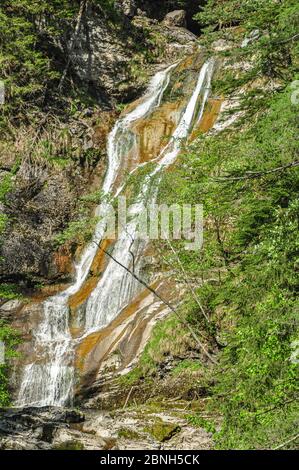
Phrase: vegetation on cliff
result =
(247, 267)
(54, 124)
(246, 177)
(9, 339)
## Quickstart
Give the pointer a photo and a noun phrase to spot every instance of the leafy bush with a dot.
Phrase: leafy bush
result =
(11, 339)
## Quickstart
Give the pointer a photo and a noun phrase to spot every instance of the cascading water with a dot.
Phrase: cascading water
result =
(117, 286)
(50, 379)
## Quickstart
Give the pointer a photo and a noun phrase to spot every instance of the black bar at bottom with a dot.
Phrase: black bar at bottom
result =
(137, 459)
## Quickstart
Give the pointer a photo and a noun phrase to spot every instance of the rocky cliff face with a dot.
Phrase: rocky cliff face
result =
(41, 200)
(113, 62)
(45, 189)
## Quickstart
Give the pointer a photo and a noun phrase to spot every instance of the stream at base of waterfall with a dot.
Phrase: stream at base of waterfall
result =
(50, 380)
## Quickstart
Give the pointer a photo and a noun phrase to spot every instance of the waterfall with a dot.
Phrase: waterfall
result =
(50, 379)
(117, 286)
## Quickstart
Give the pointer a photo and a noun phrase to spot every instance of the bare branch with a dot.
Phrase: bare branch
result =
(185, 279)
(83, 5)
(288, 40)
(286, 442)
(258, 174)
(164, 301)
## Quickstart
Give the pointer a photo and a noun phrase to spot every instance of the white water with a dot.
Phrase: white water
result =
(50, 379)
(117, 286)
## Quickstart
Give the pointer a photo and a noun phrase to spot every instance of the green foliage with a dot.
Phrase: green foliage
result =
(26, 68)
(187, 365)
(136, 180)
(69, 445)
(9, 291)
(200, 422)
(131, 377)
(248, 267)
(162, 431)
(160, 343)
(127, 433)
(271, 46)
(5, 186)
(10, 338)
(78, 231)
(31, 64)
(94, 198)
(3, 221)
(81, 229)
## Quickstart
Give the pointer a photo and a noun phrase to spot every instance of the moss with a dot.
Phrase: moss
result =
(162, 431)
(187, 366)
(69, 445)
(127, 433)
(131, 378)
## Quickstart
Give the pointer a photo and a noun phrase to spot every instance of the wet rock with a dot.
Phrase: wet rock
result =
(175, 18)
(34, 428)
(11, 305)
(189, 439)
(52, 428)
(67, 439)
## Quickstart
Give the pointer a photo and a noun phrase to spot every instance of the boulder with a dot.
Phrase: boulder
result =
(176, 18)
(8, 309)
(127, 7)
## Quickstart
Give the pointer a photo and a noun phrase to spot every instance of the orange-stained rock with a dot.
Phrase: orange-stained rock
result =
(154, 132)
(63, 261)
(209, 117)
(45, 292)
(96, 270)
(91, 341)
(103, 127)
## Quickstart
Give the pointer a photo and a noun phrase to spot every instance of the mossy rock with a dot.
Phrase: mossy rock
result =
(162, 431)
(127, 433)
(69, 445)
